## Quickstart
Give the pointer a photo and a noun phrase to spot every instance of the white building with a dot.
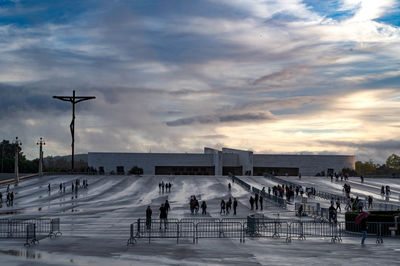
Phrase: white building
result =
(214, 162)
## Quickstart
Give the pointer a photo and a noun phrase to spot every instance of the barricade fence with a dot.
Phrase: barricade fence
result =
(342, 198)
(24, 228)
(240, 182)
(253, 227)
(272, 198)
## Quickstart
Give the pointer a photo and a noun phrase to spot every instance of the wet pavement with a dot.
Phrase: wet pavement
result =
(95, 225)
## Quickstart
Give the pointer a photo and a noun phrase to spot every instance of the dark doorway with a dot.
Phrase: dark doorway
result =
(234, 170)
(259, 171)
(120, 170)
(185, 170)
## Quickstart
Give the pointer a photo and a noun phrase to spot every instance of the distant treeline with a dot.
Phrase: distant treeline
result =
(391, 167)
(51, 164)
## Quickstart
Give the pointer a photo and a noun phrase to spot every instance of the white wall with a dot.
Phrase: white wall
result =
(245, 158)
(147, 161)
(307, 164)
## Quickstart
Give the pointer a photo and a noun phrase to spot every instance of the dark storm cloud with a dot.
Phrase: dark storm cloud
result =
(286, 74)
(215, 119)
(374, 145)
(17, 99)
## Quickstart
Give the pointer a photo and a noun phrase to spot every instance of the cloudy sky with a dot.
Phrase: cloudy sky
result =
(284, 76)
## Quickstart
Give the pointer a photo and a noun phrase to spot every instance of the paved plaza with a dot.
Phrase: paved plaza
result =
(95, 223)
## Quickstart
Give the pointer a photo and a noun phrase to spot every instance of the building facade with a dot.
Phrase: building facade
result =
(215, 162)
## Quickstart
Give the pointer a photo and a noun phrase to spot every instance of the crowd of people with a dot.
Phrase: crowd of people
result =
(75, 185)
(164, 186)
(163, 210)
(9, 198)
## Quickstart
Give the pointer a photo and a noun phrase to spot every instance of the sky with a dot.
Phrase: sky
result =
(284, 76)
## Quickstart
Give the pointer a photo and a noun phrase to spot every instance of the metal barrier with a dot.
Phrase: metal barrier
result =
(342, 198)
(55, 228)
(18, 228)
(240, 182)
(31, 235)
(384, 207)
(272, 198)
(304, 229)
(253, 227)
(219, 229)
(266, 228)
(380, 230)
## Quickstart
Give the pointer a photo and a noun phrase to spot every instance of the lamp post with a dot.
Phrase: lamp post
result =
(2, 156)
(17, 143)
(41, 143)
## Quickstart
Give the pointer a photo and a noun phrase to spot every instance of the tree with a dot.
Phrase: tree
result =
(136, 171)
(393, 161)
(366, 168)
(7, 153)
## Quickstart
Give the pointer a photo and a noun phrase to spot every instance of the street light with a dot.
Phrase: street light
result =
(17, 143)
(41, 143)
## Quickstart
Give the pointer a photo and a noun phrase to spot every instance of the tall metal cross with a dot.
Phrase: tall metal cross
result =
(74, 100)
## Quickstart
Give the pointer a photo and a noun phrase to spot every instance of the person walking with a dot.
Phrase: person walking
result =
(261, 202)
(228, 205)
(204, 207)
(370, 199)
(163, 216)
(235, 204)
(222, 207)
(149, 212)
(332, 214)
(363, 228)
(229, 187)
(251, 203)
(338, 205)
(360, 205)
(256, 200)
(167, 206)
(12, 198)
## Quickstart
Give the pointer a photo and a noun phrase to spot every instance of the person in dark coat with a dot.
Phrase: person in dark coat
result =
(204, 207)
(12, 198)
(251, 203)
(222, 207)
(149, 212)
(332, 214)
(228, 205)
(261, 202)
(163, 216)
(256, 200)
(363, 228)
(235, 204)
(167, 207)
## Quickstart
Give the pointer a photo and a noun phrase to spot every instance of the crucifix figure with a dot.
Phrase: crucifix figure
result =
(74, 100)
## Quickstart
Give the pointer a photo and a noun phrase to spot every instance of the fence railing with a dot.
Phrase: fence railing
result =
(253, 227)
(272, 198)
(281, 202)
(240, 182)
(29, 229)
(342, 198)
